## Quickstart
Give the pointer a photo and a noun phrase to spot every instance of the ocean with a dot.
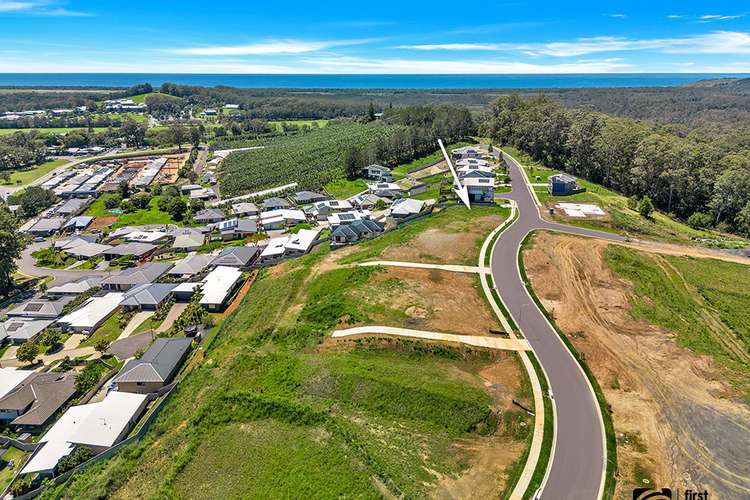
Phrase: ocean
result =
(359, 81)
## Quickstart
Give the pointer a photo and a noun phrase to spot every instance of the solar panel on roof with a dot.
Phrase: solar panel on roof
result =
(346, 217)
(14, 326)
(33, 307)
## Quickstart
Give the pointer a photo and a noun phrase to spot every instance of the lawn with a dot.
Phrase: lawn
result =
(677, 293)
(343, 188)
(23, 177)
(311, 123)
(47, 257)
(149, 215)
(149, 324)
(109, 330)
(6, 473)
(308, 420)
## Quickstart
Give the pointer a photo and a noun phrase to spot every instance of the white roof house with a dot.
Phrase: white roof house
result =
(274, 249)
(347, 217)
(385, 189)
(10, 378)
(96, 425)
(94, 311)
(218, 284)
(145, 236)
(406, 206)
(302, 241)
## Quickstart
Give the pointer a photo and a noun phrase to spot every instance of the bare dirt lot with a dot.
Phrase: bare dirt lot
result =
(674, 424)
(453, 243)
(430, 300)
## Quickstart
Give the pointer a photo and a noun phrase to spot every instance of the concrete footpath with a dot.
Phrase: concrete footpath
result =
(421, 265)
(472, 340)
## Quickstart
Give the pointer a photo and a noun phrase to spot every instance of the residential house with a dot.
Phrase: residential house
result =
(39, 308)
(31, 404)
(477, 174)
(406, 207)
(186, 188)
(139, 250)
(20, 330)
(209, 216)
(188, 240)
(97, 426)
(337, 219)
(480, 189)
(11, 377)
(467, 162)
(72, 207)
(357, 231)
(147, 297)
(128, 278)
(275, 204)
(156, 368)
(47, 226)
(305, 197)
(78, 223)
(287, 246)
(245, 209)
(467, 169)
(235, 229)
(191, 265)
(386, 189)
(95, 311)
(377, 173)
(74, 288)
(87, 250)
(466, 152)
(152, 237)
(218, 286)
(368, 201)
(322, 209)
(279, 219)
(203, 194)
(240, 257)
(563, 184)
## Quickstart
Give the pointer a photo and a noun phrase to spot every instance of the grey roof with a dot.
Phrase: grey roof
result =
(239, 256)
(129, 346)
(80, 222)
(308, 197)
(72, 206)
(245, 208)
(158, 364)
(209, 214)
(192, 264)
(275, 202)
(378, 167)
(189, 239)
(147, 273)
(562, 178)
(24, 329)
(75, 287)
(48, 224)
(356, 229)
(136, 249)
(148, 294)
(88, 250)
(40, 308)
(43, 394)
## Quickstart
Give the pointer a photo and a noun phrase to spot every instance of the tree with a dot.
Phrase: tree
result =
(33, 200)
(133, 133)
(101, 345)
(112, 202)
(700, 220)
(353, 163)
(178, 135)
(80, 455)
(370, 112)
(176, 208)
(124, 189)
(88, 377)
(11, 245)
(28, 352)
(646, 207)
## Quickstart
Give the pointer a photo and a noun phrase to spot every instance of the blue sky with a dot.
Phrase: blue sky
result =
(385, 36)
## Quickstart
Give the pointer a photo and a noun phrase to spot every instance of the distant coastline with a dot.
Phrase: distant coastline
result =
(407, 82)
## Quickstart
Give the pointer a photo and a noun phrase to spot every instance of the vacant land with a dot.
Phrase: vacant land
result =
(450, 236)
(666, 338)
(619, 218)
(278, 409)
(149, 215)
(23, 177)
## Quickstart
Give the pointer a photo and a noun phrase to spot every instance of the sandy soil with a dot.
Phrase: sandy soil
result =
(445, 245)
(673, 422)
(431, 300)
(102, 222)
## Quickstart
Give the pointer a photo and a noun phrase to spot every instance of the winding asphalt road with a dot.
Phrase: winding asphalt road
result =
(579, 454)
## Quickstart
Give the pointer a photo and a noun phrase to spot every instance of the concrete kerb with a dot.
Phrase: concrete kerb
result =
(535, 449)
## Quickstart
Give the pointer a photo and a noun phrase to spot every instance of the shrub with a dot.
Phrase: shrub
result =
(646, 207)
(700, 220)
(27, 352)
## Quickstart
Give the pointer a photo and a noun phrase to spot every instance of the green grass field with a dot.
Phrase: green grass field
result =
(401, 171)
(30, 175)
(342, 188)
(300, 123)
(108, 331)
(269, 414)
(680, 293)
(149, 215)
(6, 473)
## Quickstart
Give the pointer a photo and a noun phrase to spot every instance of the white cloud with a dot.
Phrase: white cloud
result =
(15, 6)
(453, 46)
(717, 42)
(272, 47)
(38, 8)
(675, 16)
(618, 16)
(709, 18)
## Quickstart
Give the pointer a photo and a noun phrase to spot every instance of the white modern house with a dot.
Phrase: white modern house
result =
(92, 314)
(218, 285)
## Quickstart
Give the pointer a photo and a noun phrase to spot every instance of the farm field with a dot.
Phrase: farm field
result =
(619, 218)
(278, 125)
(343, 188)
(313, 159)
(314, 417)
(24, 177)
(667, 338)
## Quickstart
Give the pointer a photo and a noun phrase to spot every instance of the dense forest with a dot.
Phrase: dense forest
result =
(703, 180)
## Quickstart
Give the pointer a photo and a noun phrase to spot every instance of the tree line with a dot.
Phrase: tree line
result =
(704, 181)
